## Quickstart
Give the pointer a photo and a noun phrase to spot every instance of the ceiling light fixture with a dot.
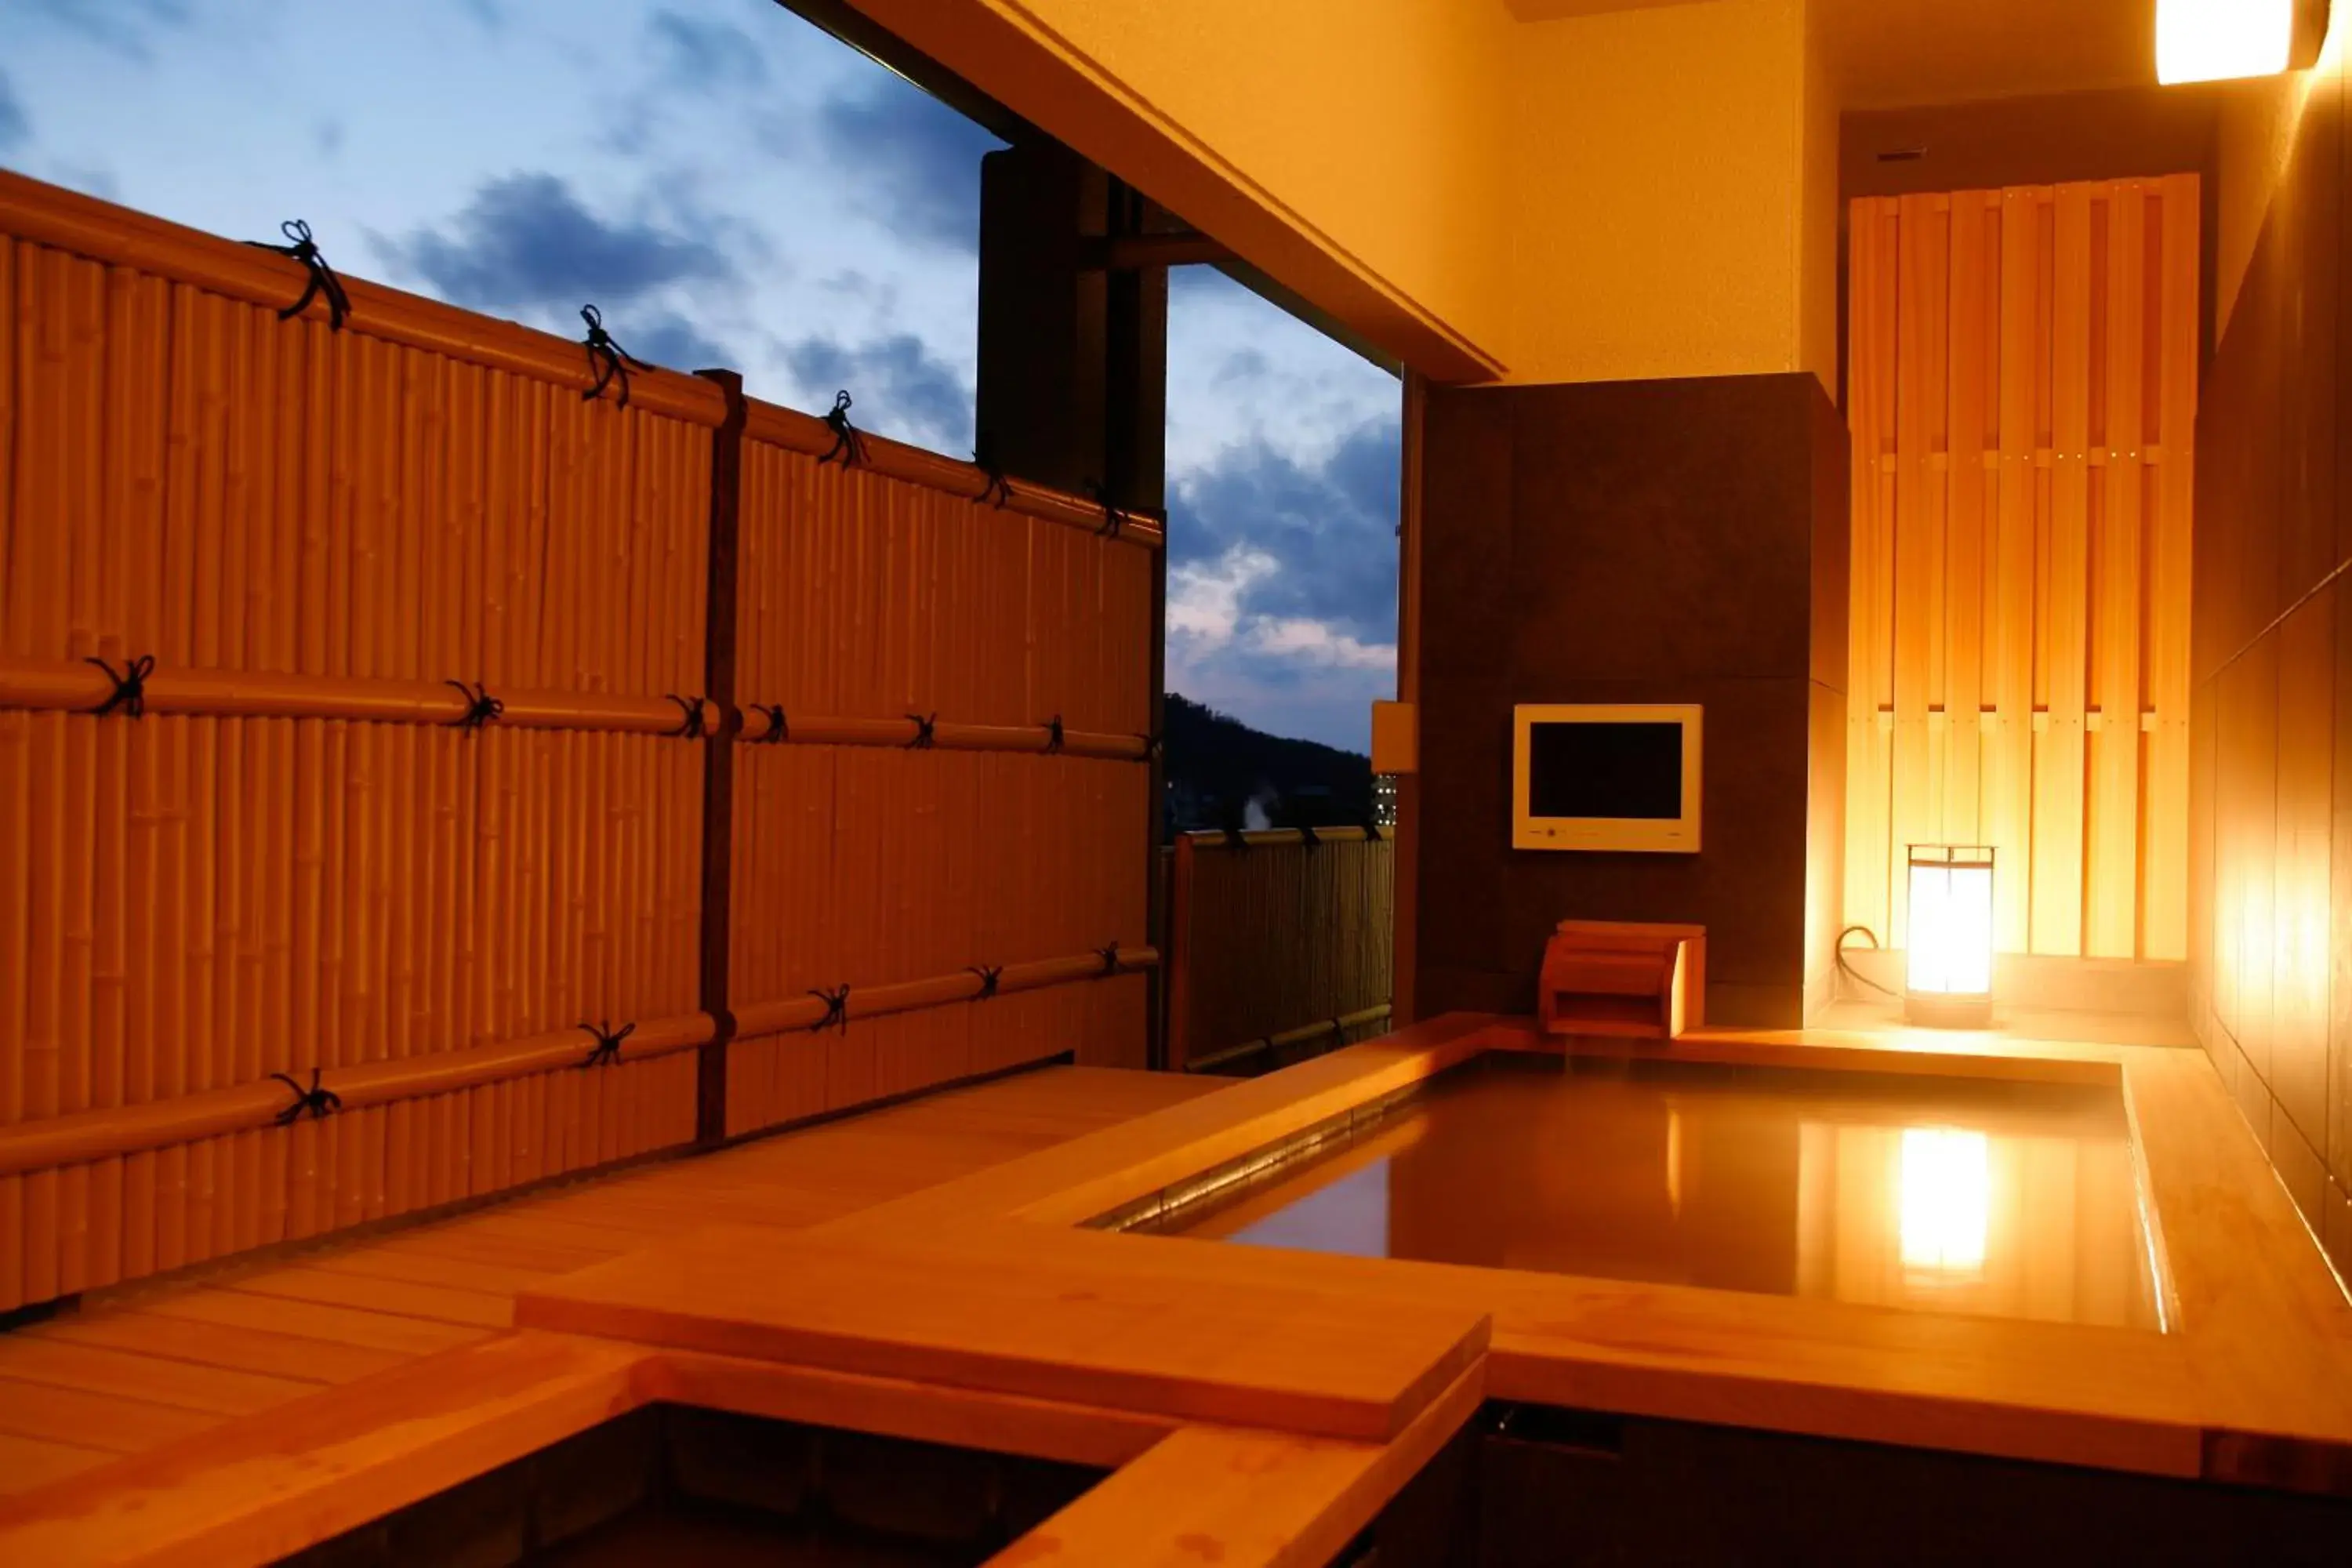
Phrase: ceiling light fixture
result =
(2213, 40)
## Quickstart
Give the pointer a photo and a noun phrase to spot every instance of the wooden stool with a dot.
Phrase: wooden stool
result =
(1636, 982)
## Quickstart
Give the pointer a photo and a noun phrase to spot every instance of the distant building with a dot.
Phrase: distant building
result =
(1384, 800)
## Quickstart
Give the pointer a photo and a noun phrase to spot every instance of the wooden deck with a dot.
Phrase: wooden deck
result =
(148, 1367)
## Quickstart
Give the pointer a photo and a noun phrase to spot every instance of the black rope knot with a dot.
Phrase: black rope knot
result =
(689, 727)
(1309, 839)
(319, 277)
(925, 726)
(1339, 1034)
(989, 974)
(1113, 519)
(837, 1010)
(129, 685)
(1371, 831)
(1108, 953)
(848, 444)
(983, 458)
(607, 360)
(480, 706)
(1152, 747)
(606, 1052)
(778, 731)
(1053, 736)
(1235, 838)
(317, 1101)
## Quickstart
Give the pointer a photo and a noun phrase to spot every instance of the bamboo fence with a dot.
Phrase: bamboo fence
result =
(2023, 399)
(484, 944)
(1279, 944)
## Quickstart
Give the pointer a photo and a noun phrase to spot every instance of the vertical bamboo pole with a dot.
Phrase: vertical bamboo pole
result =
(2007, 804)
(723, 548)
(1975, 369)
(1873, 230)
(1921, 476)
(201, 1070)
(2165, 910)
(81, 484)
(2059, 748)
(2111, 915)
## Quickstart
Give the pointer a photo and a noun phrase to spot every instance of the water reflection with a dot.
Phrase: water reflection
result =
(2004, 1199)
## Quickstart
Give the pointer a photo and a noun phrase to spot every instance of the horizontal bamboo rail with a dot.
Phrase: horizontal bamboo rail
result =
(759, 726)
(1254, 837)
(104, 232)
(249, 694)
(1374, 1015)
(88, 1135)
(126, 1130)
(808, 1011)
(100, 230)
(798, 432)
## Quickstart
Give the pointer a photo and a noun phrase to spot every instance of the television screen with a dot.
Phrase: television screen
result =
(1628, 770)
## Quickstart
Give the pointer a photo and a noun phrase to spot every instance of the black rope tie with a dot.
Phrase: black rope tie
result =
(998, 486)
(1235, 838)
(607, 360)
(1308, 839)
(778, 731)
(480, 706)
(1113, 519)
(1108, 953)
(925, 726)
(315, 1100)
(848, 444)
(837, 1010)
(689, 726)
(1153, 746)
(1339, 1034)
(129, 685)
(1053, 736)
(1371, 831)
(606, 1052)
(989, 974)
(319, 277)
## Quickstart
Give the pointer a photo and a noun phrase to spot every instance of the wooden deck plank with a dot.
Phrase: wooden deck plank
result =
(432, 1269)
(310, 1319)
(27, 1462)
(48, 1413)
(393, 1298)
(190, 1385)
(1018, 1309)
(295, 1358)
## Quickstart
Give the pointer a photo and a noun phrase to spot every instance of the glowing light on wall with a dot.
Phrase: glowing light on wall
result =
(2210, 41)
(1948, 977)
(1947, 1184)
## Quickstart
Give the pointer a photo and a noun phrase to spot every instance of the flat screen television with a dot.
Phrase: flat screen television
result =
(1616, 776)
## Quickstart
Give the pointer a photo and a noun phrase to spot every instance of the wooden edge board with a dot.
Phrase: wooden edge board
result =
(1244, 1498)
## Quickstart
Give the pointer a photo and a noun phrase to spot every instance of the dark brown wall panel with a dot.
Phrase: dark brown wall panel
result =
(1656, 541)
(2271, 786)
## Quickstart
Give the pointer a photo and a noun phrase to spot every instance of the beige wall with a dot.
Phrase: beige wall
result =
(1636, 195)
(1659, 223)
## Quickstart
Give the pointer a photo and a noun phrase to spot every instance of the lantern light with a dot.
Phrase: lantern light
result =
(1948, 972)
(2213, 40)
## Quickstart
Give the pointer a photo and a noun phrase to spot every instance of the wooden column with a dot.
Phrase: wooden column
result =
(718, 759)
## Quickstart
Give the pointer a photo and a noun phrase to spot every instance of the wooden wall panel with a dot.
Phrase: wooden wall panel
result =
(2024, 369)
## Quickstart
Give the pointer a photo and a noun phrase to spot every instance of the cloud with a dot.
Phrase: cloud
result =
(702, 54)
(15, 129)
(669, 340)
(914, 162)
(124, 26)
(1210, 614)
(525, 242)
(900, 386)
(1326, 531)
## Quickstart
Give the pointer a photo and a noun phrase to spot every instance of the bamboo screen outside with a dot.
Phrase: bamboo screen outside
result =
(1279, 944)
(2022, 393)
(478, 952)
(875, 610)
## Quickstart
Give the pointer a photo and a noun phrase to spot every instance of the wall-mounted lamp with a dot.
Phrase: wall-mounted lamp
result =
(2211, 40)
(1948, 977)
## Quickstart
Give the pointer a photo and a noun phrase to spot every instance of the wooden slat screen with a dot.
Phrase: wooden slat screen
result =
(2022, 392)
(1270, 935)
(336, 545)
